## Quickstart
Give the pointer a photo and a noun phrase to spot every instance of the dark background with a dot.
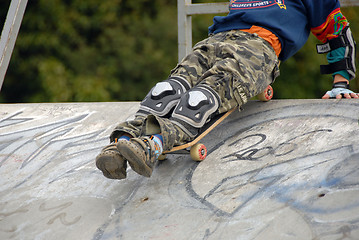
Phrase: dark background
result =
(116, 50)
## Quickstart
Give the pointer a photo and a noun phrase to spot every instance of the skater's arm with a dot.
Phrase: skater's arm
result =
(332, 28)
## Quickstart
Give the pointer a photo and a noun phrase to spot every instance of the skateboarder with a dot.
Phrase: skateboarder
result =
(238, 60)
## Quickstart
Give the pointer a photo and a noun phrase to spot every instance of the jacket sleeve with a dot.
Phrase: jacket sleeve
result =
(332, 26)
(327, 23)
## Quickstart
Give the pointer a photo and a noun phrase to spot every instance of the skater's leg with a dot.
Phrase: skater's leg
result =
(224, 71)
(241, 67)
(158, 134)
(112, 164)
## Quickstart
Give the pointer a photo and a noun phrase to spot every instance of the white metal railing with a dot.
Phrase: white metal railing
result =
(186, 9)
(9, 34)
(349, 3)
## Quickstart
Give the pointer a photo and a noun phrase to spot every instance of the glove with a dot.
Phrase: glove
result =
(340, 88)
(336, 91)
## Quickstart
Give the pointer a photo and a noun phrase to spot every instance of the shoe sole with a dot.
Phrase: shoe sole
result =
(110, 167)
(134, 156)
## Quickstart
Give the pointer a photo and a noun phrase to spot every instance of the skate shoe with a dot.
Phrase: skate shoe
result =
(141, 153)
(111, 163)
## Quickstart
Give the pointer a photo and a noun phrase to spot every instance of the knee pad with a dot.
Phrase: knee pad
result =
(163, 97)
(195, 109)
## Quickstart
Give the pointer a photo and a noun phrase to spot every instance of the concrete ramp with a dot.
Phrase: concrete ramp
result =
(284, 169)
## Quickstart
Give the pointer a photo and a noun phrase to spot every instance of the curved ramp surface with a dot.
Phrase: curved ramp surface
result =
(277, 170)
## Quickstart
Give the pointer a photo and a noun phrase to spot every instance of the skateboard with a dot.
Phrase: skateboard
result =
(198, 151)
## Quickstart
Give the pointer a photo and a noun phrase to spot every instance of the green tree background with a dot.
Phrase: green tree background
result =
(116, 50)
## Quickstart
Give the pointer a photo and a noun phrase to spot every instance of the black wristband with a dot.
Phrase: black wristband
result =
(341, 85)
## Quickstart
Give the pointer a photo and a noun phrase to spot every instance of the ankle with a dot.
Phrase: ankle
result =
(158, 140)
(125, 136)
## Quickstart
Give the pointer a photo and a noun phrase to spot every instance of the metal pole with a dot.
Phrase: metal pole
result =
(184, 29)
(349, 3)
(9, 34)
(207, 8)
(185, 11)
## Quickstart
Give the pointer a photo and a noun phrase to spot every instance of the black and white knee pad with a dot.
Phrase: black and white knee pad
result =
(164, 97)
(195, 109)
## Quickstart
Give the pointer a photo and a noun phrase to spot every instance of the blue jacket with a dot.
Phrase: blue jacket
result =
(290, 20)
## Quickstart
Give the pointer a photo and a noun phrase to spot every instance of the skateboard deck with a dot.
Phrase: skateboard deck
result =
(198, 151)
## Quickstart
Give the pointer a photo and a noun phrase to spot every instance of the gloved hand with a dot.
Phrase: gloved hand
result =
(340, 90)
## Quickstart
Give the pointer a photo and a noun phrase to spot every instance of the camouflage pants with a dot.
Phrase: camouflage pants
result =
(235, 64)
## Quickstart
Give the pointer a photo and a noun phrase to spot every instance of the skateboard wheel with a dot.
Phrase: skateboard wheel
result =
(198, 152)
(266, 95)
(162, 157)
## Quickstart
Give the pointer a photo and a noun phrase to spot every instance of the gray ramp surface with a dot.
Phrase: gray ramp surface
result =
(286, 169)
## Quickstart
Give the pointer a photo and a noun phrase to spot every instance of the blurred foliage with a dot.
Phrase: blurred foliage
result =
(116, 50)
